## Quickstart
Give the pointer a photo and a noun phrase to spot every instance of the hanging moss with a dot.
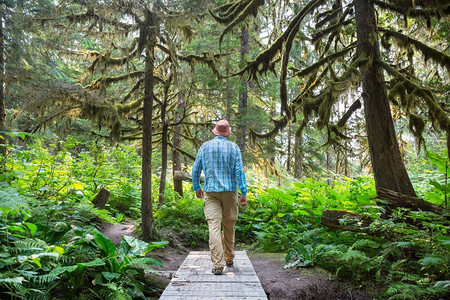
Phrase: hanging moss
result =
(330, 58)
(250, 9)
(417, 126)
(333, 28)
(404, 41)
(229, 11)
(107, 80)
(437, 114)
(279, 124)
(408, 8)
(330, 15)
(124, 109)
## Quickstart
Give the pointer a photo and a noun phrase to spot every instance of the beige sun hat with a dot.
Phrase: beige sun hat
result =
(222, 128)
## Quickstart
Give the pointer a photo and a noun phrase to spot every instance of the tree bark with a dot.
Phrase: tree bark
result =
(388, 167)
(176, 141)
(241, 136)
(146, 203)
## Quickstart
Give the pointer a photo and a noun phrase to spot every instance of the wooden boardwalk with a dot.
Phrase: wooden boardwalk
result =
(194, 280)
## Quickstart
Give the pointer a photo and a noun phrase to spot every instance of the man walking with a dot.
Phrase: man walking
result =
(221, 162)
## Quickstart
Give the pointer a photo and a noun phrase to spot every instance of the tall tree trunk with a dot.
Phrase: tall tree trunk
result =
(176, 141)
(148, 225)
(2, 82)
(164, 143)
(388, 167)
(241, 135)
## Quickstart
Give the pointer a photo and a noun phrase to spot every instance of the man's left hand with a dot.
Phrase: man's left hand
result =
(243, 201)
(200, 194)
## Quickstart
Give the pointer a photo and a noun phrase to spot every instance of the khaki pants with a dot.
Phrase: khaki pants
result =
(221, 210)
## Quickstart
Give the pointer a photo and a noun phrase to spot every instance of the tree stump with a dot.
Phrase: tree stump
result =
(101, 198)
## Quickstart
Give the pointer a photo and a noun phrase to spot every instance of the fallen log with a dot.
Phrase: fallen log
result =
(396, 199)
(180, 175)
(345, 220)
(350, 221)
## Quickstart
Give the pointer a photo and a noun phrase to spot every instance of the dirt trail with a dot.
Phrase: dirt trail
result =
(115, 232)
(278, 283)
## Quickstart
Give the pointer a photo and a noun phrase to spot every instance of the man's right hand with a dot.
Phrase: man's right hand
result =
(243, 201)
(200, 194)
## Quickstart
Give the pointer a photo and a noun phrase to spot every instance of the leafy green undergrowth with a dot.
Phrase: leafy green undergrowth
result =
(184, 218)
(47, 225)
(49, 246)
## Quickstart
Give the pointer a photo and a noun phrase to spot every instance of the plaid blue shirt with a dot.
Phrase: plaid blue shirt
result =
(221, 161)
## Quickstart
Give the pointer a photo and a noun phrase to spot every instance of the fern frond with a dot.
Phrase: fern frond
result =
(365, 243)
(43, 279)
(31, 245)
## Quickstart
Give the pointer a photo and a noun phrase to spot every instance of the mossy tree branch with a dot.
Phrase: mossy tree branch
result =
(429, 53)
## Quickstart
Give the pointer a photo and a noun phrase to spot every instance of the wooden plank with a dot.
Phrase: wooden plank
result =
(194, 280)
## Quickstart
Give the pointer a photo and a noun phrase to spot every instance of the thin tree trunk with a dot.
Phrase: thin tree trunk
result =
(2, 82)
(241, 135)
(146, 204)
(163, 177)
(164, 144)
(228, 94)
(176, 141)
(346, 170)
(162, 182)
(388, 167)
(298, 155)
(288, 159)
(328, 167)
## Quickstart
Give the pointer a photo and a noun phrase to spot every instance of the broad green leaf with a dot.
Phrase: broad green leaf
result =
(111, 276)
(155, 245)
(37, 261)
(441, 187)
(94, 263)
(135, 245)
(59, 270)
(32, 227)
(16, 228)
(105, 244)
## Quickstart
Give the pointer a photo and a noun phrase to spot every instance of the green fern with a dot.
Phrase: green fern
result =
(43, 279)
(365, 244)
(31, 245)
(114, 292)
(11, 199)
